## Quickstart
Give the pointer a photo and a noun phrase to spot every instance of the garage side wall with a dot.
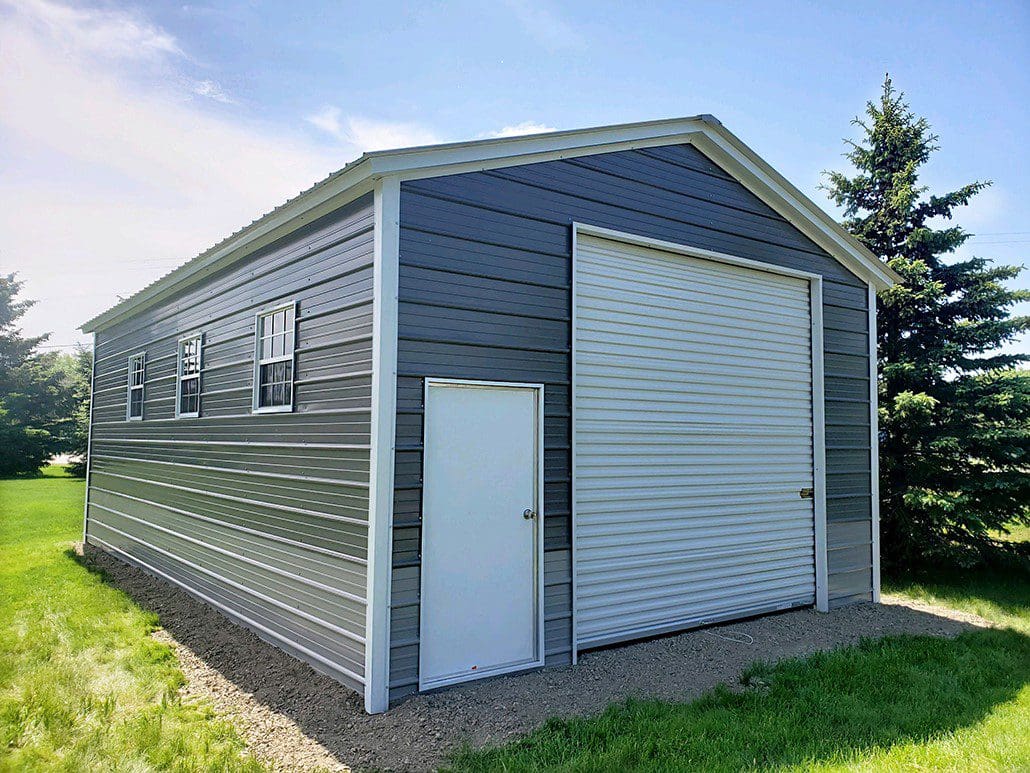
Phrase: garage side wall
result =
(485, 293)
(264, 516)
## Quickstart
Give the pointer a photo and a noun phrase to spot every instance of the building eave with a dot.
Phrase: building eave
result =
(357, 178)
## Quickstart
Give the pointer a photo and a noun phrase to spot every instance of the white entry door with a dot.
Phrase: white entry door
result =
(481, 531)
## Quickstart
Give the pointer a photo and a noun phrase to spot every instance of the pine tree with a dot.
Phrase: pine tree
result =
(954, 412)
(36, 401)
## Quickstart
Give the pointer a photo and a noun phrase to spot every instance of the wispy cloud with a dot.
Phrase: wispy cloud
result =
(212, 90)
(114, 172)
(546, 26)
(115, 34)
(520, 129)
(366, 134)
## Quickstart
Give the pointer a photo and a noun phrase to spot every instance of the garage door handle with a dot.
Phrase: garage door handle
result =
(807, 493)
(528, 514)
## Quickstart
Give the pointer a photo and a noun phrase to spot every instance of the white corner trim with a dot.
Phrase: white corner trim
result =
(386, 250)
(822, 585)
(89, 439)
(573, 632)
(874, 444)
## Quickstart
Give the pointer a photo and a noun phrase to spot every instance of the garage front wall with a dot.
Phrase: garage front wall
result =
(264, 516)
(485, 293)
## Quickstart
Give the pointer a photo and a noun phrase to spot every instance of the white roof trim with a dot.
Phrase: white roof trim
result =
(357, 178)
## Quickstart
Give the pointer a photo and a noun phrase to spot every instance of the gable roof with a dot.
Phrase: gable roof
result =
(358, 177)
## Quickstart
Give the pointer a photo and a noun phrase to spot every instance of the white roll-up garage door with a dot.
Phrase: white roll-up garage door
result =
(693, 441)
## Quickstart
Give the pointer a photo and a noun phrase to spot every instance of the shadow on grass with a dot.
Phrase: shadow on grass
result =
(831, 707)
(1006, 586)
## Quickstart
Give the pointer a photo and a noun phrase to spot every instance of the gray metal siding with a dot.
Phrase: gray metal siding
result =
(264, 516)
(485, 262)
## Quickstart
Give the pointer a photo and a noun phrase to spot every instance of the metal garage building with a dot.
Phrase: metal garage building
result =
(467, 409)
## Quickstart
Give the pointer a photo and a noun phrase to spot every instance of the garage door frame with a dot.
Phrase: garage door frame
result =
(818, 418)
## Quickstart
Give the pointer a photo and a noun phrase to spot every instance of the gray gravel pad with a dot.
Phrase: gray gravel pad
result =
(296, 719)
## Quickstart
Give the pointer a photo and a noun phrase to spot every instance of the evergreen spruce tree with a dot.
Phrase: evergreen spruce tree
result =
(954, 412)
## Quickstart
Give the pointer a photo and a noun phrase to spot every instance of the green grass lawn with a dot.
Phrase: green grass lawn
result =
(904, 703)
(83, 687)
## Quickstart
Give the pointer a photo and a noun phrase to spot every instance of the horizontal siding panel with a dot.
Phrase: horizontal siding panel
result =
(327, 651)
(482, 258)
(264, 516)
(338, 571)
(436, 287)
(305, 527)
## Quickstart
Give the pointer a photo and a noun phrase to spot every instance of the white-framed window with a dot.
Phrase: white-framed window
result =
(187, 388)
(136, 386)
(275, 334)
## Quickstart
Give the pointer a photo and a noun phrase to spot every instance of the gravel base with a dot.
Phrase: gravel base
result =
(296, 719)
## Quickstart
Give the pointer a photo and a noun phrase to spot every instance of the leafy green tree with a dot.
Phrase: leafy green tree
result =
(954, 411)
(82, 383)
(37, 402)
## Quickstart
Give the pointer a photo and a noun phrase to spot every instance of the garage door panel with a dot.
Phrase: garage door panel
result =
(693, 438)
(663, 562)
(620, 622)
(646, 576)
(653, 276)
(755, 314)
(717, 587)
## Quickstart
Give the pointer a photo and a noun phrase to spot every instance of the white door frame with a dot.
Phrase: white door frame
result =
(538, 529)
(818, 400)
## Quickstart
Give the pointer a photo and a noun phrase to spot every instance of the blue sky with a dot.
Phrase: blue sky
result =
(134, 135)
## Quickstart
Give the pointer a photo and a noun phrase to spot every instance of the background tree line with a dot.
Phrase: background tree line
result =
(954, 412)
(44, 396)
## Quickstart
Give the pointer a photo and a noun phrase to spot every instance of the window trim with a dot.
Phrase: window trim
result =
(142, 387)
(179, 378)
(258, 362)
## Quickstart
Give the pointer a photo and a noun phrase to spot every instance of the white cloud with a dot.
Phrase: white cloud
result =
(545, 26)
(114, 171)
(121, 34)
(212, 90)
(109, 179)
(366, 134)
(520, 129)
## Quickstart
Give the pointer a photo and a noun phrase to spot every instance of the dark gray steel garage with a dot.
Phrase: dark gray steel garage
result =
(470, 409)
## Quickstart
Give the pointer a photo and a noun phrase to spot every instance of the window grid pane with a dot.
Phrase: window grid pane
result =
(189, 395)
(137, 377)
(275, 384)
(189, 355)
(276, 341)
(189, 376)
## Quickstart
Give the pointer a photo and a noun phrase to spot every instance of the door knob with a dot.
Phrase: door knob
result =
(528, 514)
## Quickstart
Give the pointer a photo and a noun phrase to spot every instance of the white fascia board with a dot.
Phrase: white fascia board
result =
(348, 184)
(455, 158)
(724, 148)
